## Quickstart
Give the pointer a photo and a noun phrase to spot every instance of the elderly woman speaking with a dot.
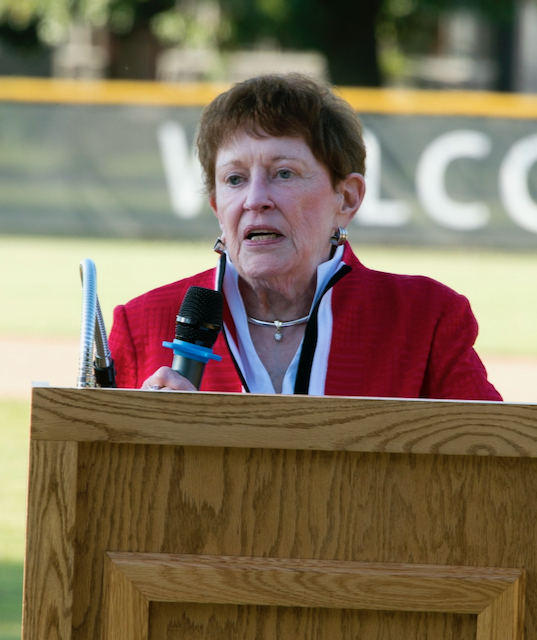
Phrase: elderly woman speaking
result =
(284, 164)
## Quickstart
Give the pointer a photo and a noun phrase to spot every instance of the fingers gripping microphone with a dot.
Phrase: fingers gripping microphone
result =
(196, 328)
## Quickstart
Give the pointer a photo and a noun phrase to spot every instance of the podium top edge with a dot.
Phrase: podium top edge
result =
(327, 423)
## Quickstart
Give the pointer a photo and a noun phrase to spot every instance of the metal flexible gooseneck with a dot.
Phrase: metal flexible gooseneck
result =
(94, 370)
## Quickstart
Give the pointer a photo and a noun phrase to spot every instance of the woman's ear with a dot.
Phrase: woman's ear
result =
(352, 189)
(212, 203)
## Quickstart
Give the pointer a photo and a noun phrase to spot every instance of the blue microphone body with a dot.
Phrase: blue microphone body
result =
(190, 362)
(196, 329)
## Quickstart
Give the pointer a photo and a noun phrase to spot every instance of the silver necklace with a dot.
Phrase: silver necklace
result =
(278, 324)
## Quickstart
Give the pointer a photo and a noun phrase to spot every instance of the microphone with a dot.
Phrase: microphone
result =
(197, 326)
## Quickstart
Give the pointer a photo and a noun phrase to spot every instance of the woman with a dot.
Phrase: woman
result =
(284, 162)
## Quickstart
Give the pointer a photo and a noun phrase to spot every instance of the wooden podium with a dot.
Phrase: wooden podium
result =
(198, 515)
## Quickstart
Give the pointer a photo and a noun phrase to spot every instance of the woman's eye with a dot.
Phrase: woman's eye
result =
(234, 180)
(284, 173)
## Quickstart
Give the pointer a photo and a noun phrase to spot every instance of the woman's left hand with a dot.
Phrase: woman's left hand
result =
(166, 379)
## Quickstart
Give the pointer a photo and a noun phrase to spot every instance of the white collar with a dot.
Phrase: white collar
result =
(252, 368)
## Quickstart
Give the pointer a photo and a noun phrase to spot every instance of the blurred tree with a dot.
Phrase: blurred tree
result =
(346, 31)
(22, 52)
(412, 27)
(54, 17)
(133, 44)
(498, 10)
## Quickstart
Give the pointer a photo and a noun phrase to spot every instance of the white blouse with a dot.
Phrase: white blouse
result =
(253, 370)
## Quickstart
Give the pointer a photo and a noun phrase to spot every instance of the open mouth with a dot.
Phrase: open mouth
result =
(263, 234)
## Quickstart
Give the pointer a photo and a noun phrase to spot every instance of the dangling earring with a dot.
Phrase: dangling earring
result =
(339, 237)
(219, 246)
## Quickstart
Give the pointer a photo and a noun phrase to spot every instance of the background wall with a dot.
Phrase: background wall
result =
(117, 160)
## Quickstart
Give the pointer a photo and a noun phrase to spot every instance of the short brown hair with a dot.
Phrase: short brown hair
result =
(284, 105)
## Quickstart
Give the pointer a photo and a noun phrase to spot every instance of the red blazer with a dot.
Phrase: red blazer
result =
(393, 336)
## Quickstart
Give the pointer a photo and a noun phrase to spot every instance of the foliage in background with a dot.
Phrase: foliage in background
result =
(344, 31)
(498, 10)
(53, 18)
(409, 27)
(350, 34)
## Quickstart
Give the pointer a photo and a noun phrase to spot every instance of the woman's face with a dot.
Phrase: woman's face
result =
(277, 207)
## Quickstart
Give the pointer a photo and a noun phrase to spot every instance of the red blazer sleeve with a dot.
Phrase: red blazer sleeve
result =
(142, 324)
(123, 351)
(403, 336)
(454, 370)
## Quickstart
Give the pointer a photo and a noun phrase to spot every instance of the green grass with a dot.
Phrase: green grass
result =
(14, 424)
(43, 292)
(10, 600)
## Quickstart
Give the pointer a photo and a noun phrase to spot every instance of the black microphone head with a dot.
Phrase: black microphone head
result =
(200, 317)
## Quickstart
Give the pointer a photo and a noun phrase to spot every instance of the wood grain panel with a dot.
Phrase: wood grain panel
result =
(234, 622)
(296, 582)
(125, 610)
(290, 483)
(328, 505)
(122, 496)
(503, 619)
(293, 422)
(49, 574)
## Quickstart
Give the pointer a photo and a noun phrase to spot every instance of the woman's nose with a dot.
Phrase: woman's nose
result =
(258, 195)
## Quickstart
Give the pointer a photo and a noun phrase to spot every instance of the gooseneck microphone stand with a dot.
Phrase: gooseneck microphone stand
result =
(94, 370)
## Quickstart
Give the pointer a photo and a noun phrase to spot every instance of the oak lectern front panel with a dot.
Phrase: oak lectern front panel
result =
(161, 516)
